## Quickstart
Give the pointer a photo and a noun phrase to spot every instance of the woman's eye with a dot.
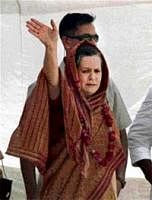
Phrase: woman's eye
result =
(97, 71)
(85, 71)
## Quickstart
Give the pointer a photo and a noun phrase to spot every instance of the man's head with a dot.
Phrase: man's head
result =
(76, 27)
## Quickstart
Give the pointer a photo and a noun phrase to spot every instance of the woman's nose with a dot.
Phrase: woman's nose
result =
(92, 76)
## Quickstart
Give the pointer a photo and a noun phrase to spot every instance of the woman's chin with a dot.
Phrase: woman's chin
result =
(88, 94)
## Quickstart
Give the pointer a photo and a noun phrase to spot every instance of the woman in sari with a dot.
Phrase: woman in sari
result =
(67, 129)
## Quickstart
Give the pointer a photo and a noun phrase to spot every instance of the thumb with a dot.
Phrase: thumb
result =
(53, 25)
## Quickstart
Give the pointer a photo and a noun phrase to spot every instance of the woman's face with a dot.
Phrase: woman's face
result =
(90, 74)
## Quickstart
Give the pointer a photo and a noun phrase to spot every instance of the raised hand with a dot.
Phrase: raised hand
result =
(47, 35)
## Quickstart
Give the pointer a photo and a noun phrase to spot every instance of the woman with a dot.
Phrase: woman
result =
(79, 149)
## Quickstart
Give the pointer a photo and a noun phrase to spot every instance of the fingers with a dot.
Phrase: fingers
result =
(53, 25)
(34, 33)
(37, 22)
(40, 30)
(32, 25)
(31, 28)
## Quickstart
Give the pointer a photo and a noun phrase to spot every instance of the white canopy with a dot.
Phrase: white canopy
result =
(28, 7)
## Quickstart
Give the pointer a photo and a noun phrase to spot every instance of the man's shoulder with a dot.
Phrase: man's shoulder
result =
(150, 91)
(32, 85)
(30, 88)
(111, 93)
(112, 88)
(112, 84)
(148, 96)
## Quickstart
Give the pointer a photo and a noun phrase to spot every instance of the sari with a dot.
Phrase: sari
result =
(81, 164)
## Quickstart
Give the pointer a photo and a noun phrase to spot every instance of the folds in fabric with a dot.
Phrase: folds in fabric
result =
(31, 137)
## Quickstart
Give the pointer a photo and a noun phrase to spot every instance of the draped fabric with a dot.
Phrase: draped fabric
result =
(82, 117)
(30, 139)
(78, 110)
(90, 152)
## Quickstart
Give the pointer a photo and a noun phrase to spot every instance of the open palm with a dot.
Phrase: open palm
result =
(47, 35)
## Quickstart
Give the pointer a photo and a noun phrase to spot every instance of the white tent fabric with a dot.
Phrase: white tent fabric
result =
(125, 34)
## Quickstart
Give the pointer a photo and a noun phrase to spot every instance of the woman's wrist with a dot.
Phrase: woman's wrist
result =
(51, 45)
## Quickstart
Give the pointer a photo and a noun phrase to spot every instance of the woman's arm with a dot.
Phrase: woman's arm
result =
(48, 36)
(29, 177)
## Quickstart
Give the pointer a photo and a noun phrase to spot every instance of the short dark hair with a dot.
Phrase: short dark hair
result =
(71, 21)
(86, 49)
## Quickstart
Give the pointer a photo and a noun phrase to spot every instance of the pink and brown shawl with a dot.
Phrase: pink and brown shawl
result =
(92, 138)
(31, 137)
(81, 116)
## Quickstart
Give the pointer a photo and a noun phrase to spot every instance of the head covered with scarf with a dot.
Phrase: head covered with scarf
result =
(79, 109)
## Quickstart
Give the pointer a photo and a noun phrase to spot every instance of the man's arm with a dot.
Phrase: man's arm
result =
(146, 167)
(29, 177)
(140, 138)
(118, 106)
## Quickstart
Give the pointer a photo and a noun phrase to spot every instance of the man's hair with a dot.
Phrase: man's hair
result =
(71, 21)
(86, 50)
